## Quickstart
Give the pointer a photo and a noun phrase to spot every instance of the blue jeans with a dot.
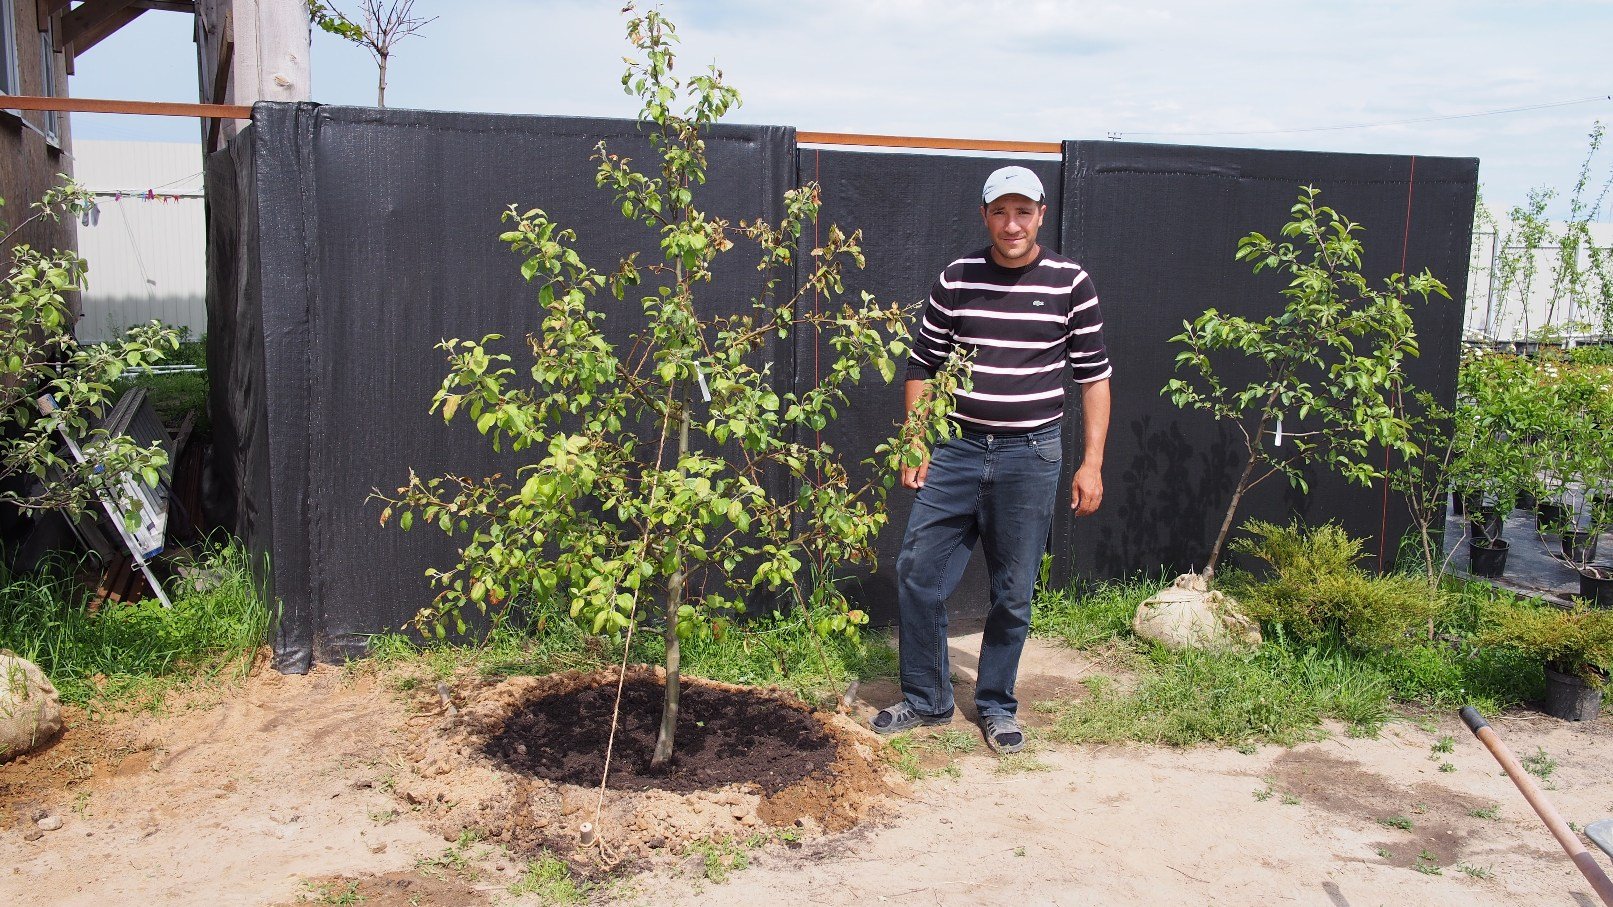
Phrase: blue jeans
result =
(999, 490)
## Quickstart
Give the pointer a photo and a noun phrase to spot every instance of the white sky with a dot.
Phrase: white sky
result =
(1030, 70)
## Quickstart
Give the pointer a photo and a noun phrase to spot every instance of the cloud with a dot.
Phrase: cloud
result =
(1030, 69)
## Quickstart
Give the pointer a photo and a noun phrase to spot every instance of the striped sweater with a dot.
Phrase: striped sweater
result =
(1020, 326)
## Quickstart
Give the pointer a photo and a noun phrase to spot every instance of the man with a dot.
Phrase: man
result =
(1025, 317)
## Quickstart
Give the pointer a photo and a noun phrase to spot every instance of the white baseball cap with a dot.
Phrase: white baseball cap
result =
(1012, 181)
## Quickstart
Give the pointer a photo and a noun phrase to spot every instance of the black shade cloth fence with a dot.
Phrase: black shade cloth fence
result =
(344, 243)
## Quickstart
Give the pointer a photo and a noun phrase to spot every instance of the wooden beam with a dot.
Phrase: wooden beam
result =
(221, 88)
(107, 29)
(88, 25)
(170, 6)
(91, 14)
(906, 141)
(221, 73)
(147, 108)
(46, 9)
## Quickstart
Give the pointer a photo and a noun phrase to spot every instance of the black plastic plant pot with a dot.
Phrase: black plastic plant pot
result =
(1488, 558)
(1550, 516)
(1579, 546)
(1526, 500)
(1596, 585)
(1458, 502)
(1570, 698)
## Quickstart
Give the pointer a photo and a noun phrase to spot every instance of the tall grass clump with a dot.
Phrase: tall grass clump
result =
(1089, 615)
(126, 651)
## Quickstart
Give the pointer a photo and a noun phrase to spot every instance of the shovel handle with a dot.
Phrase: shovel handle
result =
(1543, 807)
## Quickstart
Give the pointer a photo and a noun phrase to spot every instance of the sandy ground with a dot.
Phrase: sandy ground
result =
(286, 785)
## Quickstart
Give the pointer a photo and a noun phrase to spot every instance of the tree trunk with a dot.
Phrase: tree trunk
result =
(380, 89)
(1253, 443)
(674, 656)
(1226, 523)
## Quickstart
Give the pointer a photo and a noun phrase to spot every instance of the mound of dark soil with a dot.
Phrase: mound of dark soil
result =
(723, 737)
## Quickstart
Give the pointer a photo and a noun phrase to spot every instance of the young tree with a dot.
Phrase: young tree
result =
(1424, 473)
(39, 356)
(1333, 356)
(381, 24)
(658, 462)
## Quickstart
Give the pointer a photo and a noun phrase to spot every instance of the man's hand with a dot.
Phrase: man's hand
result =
(913, 476)
(1086, 490)
(913, 391)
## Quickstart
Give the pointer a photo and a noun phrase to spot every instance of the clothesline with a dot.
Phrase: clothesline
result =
(149, 195)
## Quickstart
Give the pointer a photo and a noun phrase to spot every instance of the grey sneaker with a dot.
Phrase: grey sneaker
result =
(901, 717)
(1002, 733)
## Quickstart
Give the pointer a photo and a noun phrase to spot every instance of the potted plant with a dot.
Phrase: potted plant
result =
(1488, 465)
(1576, 446)
(1576, 647)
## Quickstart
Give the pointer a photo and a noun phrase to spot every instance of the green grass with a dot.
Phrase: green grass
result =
(1275, 694)
(174, 394)
(550, 879)
(1089, 617)
(721, 858)
(1280, 692)
(133, 653)
(773, 650)
(907, 758)
(1539, 763)
(339, 892)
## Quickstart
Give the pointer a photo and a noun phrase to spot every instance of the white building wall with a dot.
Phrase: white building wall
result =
(1518, 312)
(147, 250)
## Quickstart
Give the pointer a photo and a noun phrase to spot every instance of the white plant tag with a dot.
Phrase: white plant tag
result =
(700, 376)
(1279, 441)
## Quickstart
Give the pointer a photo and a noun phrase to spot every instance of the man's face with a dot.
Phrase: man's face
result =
(1012, 222)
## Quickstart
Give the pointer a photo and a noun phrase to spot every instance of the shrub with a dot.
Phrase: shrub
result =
(1576, 642)
(1315, 589)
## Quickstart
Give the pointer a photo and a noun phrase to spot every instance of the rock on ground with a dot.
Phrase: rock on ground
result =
(30, 710)
(1187, 614)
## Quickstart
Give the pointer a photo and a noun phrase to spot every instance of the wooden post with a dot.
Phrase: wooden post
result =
(249, 51)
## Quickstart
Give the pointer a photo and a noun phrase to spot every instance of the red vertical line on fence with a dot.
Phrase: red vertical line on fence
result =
(1405, 242)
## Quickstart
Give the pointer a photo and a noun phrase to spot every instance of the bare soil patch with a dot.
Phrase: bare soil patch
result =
(263, 792)
(724, 737)
(750, 761)
(1423, 823)
(392, 889)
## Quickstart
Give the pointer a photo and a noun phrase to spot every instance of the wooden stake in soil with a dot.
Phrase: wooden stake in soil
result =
(627, 647)
(1543, 807)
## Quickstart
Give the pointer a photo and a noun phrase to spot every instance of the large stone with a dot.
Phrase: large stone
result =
(30, 710)
(1188, 614)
